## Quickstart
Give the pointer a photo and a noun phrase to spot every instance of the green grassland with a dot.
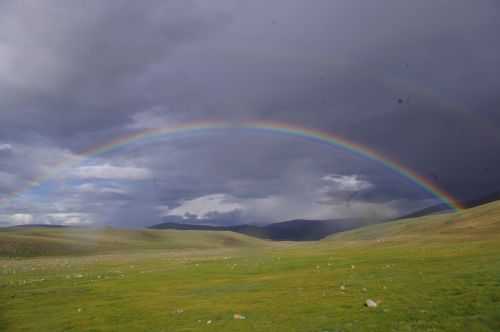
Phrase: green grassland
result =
(36, 242)
(437, 273)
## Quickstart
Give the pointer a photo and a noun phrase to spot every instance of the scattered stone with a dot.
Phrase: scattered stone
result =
(209, 322)
(353, 267)
(371, 304)
(238, 316)
(342, 287)
(79, 310)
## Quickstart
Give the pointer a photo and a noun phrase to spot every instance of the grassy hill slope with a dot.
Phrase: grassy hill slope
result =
(28, 242)
(479, 223)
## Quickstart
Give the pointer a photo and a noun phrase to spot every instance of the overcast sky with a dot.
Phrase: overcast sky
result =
(417, 81)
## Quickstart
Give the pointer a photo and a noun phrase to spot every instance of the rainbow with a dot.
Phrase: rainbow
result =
(263, 126)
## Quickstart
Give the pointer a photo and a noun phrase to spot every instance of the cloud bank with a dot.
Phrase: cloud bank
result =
(416, 81)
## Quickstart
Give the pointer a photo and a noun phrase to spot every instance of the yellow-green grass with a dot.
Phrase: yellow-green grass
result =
(438, 273)
(31, 242)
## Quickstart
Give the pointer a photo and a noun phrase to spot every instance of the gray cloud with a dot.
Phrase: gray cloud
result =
(416, 81)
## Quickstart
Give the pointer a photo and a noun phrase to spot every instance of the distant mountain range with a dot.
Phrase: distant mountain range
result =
(293, 230)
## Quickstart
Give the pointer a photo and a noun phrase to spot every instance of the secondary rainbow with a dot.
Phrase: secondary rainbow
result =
(146, 135)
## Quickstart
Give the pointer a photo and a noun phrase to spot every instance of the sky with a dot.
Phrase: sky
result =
(415, 81)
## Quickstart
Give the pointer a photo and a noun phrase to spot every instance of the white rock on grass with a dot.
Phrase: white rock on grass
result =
(371, 304)
(238, 316)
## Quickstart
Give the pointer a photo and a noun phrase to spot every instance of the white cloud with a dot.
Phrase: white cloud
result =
(280, 208)
(16, 219)
(68, 219)
(110, 172)
(347, 182)
(96, 189)
(204, 205)
(21, 218)
(58, 218)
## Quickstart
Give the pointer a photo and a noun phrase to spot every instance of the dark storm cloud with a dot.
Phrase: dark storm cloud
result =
(416, 81)
(75, 68)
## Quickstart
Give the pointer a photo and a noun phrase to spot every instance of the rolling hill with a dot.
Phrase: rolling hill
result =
(478, 223)
(53, 241)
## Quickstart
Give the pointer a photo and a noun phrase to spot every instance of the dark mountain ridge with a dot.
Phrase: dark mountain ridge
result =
(293, 230)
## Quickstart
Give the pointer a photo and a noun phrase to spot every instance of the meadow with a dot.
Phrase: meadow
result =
(436, 273)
